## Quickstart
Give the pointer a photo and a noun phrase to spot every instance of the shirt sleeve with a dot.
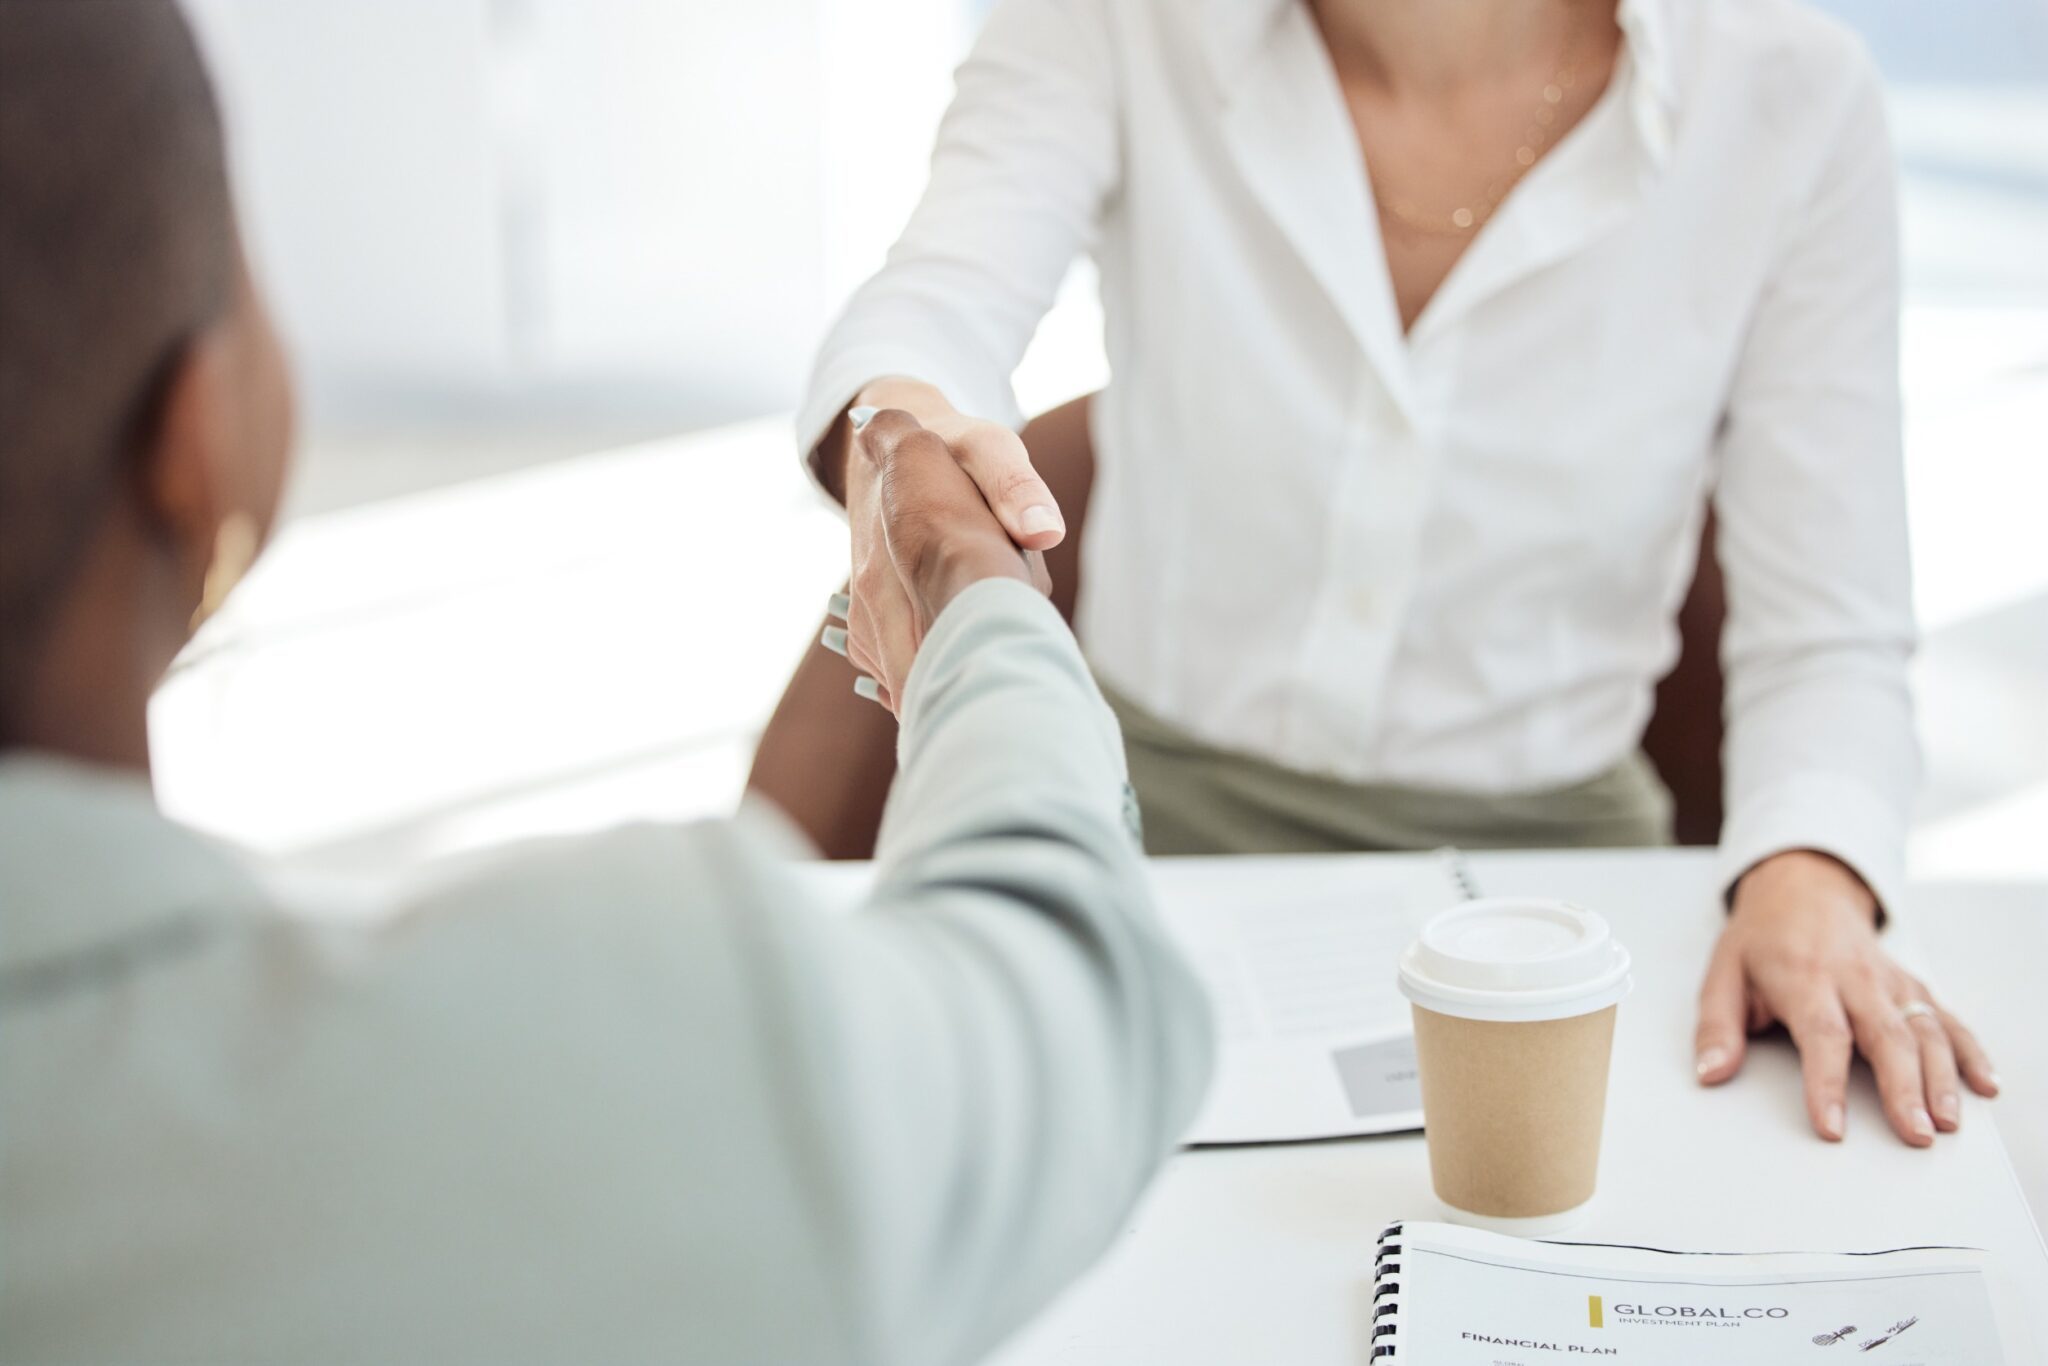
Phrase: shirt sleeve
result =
(1026, 155)
(1821, 751)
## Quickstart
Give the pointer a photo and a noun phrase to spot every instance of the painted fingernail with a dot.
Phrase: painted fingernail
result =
(868, 688)
(838, 605)
(1831, 1122)
(1997, 1082)
(1039, 517)
(1946, 1107)
(1923, 1125)
(1711, 1061)
(861, 416)
(834, 639)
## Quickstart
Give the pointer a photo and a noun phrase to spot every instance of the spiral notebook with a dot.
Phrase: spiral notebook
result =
(1449, 1296)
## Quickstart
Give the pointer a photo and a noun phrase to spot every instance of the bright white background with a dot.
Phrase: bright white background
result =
(552, 270)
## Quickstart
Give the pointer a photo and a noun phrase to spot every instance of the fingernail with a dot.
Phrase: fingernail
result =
(1997, 1082)
(838, 605)
(861, 416)
(1039, 517)
(1711, 1061)
(1923, 1126)
(1946, 1107)
(834, 639)
(1831, 1122)
(868, 688)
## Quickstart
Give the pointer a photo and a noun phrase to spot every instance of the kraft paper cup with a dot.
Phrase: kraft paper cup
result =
(1514, 1002)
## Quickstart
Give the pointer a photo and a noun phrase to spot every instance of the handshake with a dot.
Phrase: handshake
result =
(923, 531)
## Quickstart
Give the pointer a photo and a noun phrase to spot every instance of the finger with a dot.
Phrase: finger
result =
(862, 630)
(995, 458)
(876, 427)
(1893, 1053)
(1820, 1030)
(866, 687)
(1975, 1062)
(893, 644)
(1938, 1072)
(938, 527)
(861, 660)
(1041, 574)
(1720, 1040)
(859, 631)
(1760, 1017)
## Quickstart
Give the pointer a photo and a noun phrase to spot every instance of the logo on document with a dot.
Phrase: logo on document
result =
(1888, 1334)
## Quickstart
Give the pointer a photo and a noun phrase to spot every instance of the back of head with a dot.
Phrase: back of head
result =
(117, 246)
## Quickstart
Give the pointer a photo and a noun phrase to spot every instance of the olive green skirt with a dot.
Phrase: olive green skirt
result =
(1197, 799)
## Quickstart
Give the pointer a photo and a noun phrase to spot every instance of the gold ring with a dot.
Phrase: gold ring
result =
(1914, 1009)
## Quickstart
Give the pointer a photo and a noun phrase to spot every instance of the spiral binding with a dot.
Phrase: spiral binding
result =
(1386, 1296)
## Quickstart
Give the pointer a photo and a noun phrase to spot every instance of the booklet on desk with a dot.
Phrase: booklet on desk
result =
(1314, 1037)
(1450, 1296)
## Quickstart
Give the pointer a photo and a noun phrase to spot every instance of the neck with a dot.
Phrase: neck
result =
(1431, 46)
(120, 623)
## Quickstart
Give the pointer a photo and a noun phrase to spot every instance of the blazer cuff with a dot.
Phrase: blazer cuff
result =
(1821, 811)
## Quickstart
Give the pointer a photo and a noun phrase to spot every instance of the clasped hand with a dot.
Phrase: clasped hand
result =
(921, 534)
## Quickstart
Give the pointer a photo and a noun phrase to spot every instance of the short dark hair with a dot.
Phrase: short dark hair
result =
(117, 246)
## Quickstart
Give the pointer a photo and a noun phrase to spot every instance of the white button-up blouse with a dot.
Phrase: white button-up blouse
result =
(1452, 558)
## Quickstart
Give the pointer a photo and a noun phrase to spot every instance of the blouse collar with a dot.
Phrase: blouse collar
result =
(1235, 30)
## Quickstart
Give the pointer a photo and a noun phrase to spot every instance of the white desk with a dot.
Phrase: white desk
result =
(1263, 1255)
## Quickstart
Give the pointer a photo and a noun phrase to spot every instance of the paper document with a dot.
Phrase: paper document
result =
(1457, 1297)
(1314, 1037)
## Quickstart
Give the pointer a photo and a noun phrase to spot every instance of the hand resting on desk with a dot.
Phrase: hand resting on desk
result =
(1802, 950)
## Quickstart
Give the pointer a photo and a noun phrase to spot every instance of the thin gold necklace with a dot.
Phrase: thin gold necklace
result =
(1536, 135)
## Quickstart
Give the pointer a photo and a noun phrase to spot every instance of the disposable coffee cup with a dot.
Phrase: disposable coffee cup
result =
(1514, 1002)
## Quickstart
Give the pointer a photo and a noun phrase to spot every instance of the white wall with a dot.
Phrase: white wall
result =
(498, 207)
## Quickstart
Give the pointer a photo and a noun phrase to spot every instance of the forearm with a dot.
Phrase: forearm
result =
(826, 757)
(1822, 755)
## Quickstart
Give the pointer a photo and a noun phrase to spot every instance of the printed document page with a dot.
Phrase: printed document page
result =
(1314, 1037)
(1467, 1298)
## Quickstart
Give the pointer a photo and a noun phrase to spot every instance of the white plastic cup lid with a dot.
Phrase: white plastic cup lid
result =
(1515, 958)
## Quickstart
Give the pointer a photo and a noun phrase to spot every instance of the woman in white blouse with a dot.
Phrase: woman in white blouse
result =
(1434, 330)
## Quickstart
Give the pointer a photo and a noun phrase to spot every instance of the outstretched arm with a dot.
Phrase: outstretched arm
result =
(1026, 156)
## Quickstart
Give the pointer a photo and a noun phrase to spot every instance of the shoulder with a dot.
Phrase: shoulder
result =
(1780, 99)
(550, 950)
(585, 909)
(677, 872)
(1789, 63)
